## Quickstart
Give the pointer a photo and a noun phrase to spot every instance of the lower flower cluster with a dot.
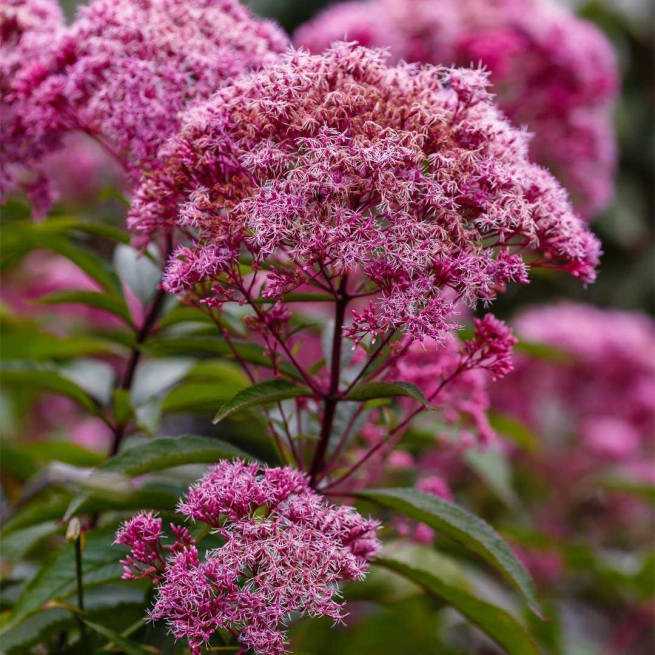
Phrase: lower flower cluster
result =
(286, 550)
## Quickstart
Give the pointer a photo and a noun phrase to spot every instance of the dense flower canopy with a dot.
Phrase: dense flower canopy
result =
(409, 174)
(551, 70)
(124, 70)
(289, 558)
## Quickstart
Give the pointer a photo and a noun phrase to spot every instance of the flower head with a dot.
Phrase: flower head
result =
(286, 550)
(407, 175)
(551, 70)
(125, 69)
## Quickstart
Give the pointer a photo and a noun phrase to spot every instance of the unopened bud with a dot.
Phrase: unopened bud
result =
(73, 530)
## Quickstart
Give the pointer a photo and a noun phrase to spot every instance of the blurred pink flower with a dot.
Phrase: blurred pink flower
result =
(124, 70)
(591, 403)
(551, 70)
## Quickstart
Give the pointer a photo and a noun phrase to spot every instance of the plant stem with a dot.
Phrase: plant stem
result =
(135, 356)
(80, 586)
(332, 398)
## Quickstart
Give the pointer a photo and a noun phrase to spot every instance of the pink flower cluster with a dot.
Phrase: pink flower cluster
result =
(286, 551)
(551, 70)
(454, 376)
(593, 406)
(28, 28)
(125, 69)
(338, 162)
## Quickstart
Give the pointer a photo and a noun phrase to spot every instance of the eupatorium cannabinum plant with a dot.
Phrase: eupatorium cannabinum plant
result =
(314, 229)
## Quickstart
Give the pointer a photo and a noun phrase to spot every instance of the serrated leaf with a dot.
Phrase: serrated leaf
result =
(126, 646)
(374, 390)
(495, 622)
(56, 579)
(47, 379)
(113, 304)
(163, 453)
(262, 394)
(467, 529)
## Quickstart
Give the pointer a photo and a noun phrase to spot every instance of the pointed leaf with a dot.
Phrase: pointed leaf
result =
(158, 454)
(495, 622)
(56, 579)
(373, 390)
(113, 304)
(261, 394)
(462, 526)
(48, 379)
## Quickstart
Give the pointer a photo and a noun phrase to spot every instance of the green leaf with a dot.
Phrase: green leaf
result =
(183, 314)
(126, 646)
(620, 483)
(373, 390)
(47, 379)
(158, 454)
(492, 466)
(63, 451)
(150, 495)
(196, 397)
(205, 345)
(34, 629)
(15, 546)
(462, 526)
(544, 352)
(56, 579)
(92, 265)
(261, 394)
(113, 304)
(138, 271)
(514, 430)
(20, 464)
(495, 622)
(21, 342)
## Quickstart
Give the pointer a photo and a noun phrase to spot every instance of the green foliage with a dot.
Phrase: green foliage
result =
(494, 621)
(263, 393)
(165, 452)
(374, 390)
(468, 530)
(56, 579)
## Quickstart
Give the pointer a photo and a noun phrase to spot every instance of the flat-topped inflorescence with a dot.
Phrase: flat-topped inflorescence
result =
(286, 551)
(406, 176)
